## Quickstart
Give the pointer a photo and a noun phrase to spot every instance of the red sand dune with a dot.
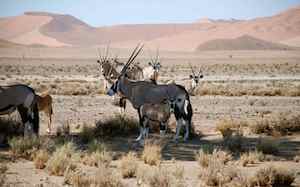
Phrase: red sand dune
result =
(58, 30)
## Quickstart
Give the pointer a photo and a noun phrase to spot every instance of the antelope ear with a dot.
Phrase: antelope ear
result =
(191, 76)
(201, 76)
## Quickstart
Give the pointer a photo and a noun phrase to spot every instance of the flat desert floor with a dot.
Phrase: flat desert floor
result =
(243, 87)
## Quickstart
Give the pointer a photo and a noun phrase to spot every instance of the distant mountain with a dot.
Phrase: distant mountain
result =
(65, 30)
(244, 42)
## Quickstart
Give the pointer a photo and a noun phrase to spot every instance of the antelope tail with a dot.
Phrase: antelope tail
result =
(186, 104)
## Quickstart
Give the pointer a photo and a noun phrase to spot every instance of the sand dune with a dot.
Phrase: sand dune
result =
(58, 30)
(244, 42)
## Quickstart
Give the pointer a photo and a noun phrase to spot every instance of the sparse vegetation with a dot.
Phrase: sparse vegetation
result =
(239, 89)
(205, 159)
(158, 177)
(151, 154)
(251, 158)
(227, 127)
(217, 174)
(40, 159)
(24, 146)
(97, 158)
(272, 176)
(277, 124)
(105, 178)
(117, 125)
(75, 177)
(129, 165)
(61, 160)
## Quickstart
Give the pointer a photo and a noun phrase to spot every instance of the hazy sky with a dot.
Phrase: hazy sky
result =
(110, 12)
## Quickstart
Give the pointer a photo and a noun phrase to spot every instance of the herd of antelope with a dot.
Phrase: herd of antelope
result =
(153, 101)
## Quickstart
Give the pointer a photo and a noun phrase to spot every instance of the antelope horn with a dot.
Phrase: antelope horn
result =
(192, 69)
(157, 54)
(134, 54)
(199, 72)
(106, 52)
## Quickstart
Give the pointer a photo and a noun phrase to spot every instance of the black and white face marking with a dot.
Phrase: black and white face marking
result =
(113, 89)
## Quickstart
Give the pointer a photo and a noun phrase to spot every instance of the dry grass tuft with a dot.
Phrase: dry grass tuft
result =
(61, 160)
(40, 159)
(277, 124)
(205, 159)
(217, 174)
(3, 169)
(267, 146)
(251, 158)
(129, 165)
(24, 146)
(75, 177)
(152, 154)
(96, 145)
(228, 126)
(158, 177)
(105, 178)
(97, 159)
(271, 176)
(117, 125)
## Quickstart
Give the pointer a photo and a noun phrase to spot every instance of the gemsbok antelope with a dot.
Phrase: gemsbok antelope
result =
(159, 113)
(195, 78)
(151, 71)
(142, 92)
(110, 73)
(23, 99)
(44, 102)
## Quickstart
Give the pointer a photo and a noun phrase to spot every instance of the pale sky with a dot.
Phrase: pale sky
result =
(111, 12)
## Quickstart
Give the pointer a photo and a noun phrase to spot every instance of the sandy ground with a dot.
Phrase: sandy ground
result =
(247, 67)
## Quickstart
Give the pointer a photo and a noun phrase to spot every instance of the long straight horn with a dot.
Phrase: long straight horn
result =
(192, 69)
(199, 72)
(106, 52)
(131, 58)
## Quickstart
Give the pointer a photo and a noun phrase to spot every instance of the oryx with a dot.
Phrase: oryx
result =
(195, 78)
(142, 92)
(22, 98)
(159, 113)
(151, 71)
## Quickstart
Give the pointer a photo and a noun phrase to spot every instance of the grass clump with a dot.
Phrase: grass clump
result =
(61, 160)
(117, 125)
(105, 178)
(151, 154)
(227, 127)
(97, 158)
(76, 178)
(40, 159)
(251, 158)
(24, 146)
(158, 177)
(205, 159)
(277, 124)
(271, 176)
(129, 165)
